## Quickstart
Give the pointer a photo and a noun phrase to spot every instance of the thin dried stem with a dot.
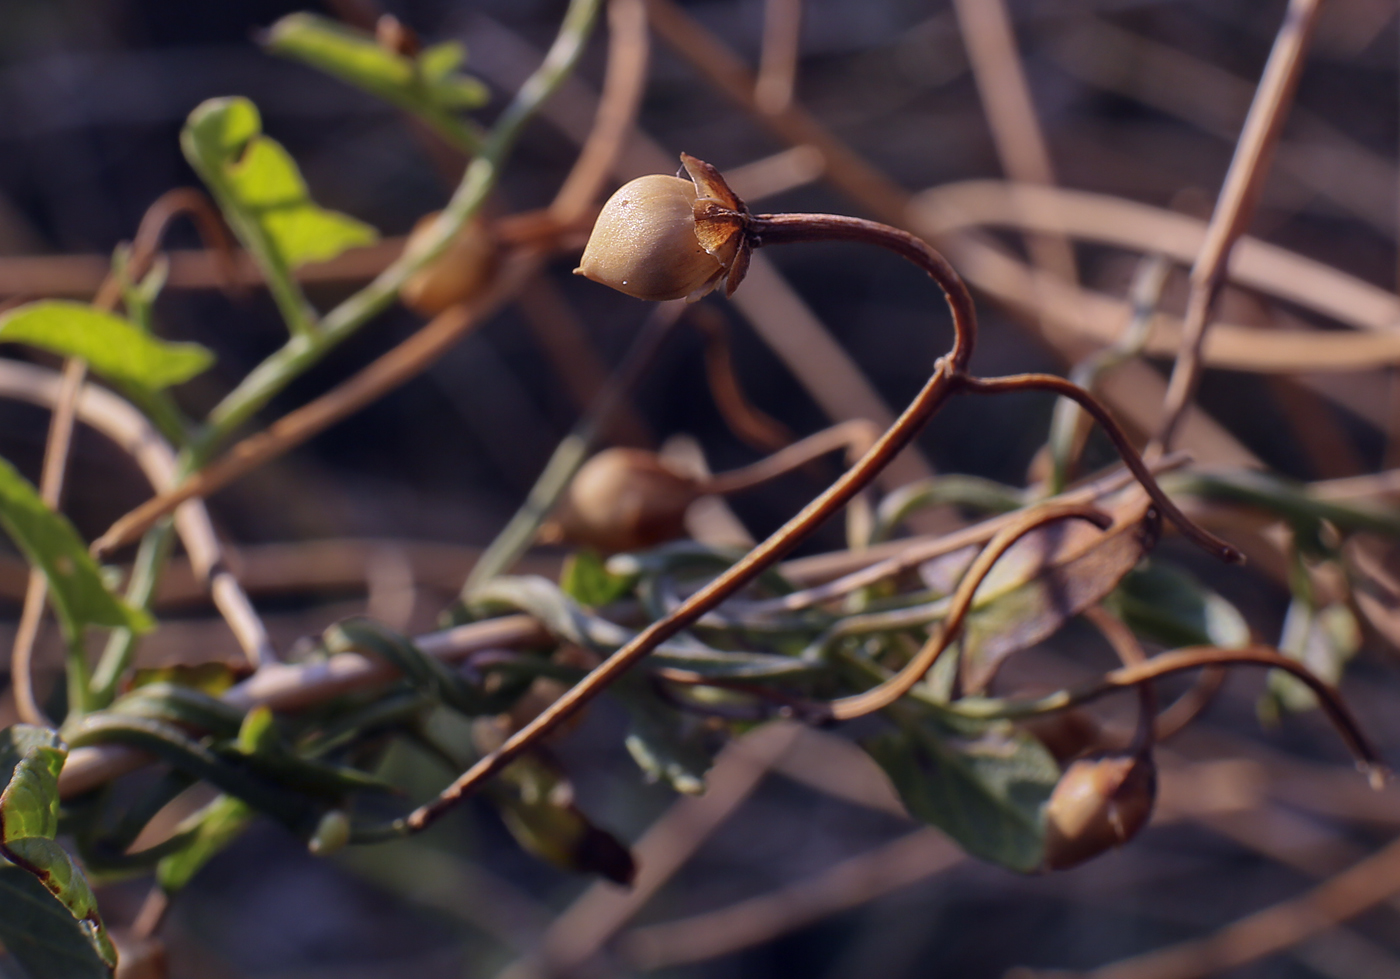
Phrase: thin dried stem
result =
(753, 921)
(628, 49)
(854, 436)
(1195, 658)
(744, 420)
(405, 361)
(1236, 203)
(777, 62)
(1271, 930)
(128, 428)
(586, 926)
(794, 125)
(885, 694)
(1049, 382)
(1189, 705)
(1006, 99)
(910, 554)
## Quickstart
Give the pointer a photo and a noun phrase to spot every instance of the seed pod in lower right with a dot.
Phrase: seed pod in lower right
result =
(1099, 803)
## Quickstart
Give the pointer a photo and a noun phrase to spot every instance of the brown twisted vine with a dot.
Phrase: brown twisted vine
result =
(729, 233)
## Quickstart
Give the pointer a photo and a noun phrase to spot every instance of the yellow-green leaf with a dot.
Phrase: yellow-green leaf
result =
(428, 84)
(261, 190)
(112, 346)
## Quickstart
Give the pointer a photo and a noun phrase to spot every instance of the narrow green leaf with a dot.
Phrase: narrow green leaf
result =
(33, 758)
(536, 802)
(112, 346)
(1166, 603)
(49, 541)
(667, 746)
(984, 785)
(430, 82)
(214, 827)
(429, 676)
(43, 935)
(1322, 639)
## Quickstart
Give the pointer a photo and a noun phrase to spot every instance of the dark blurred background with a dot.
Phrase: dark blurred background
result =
(93, 94)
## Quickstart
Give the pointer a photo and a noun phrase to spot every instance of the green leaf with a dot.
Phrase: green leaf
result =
(536, 802)
(261, 190)
(667, 746)
(214, 827)
(29, 803)
(42, 934)
(33, 758)
(1322, 639)
(430, 85)
(49, 541)
(18, 740)
(1165, 603)
(180, 705)
(985, 785)
(112, 346)
(428, 675)
(587, 580)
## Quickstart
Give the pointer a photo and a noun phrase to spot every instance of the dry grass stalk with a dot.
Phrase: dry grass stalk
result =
(1235, 206)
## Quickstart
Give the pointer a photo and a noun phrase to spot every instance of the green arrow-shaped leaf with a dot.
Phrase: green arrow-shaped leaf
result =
(113, 347)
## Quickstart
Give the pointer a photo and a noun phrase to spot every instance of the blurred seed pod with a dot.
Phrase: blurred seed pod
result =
(461, 272)
(644, 242)
(625, 500)
(332, 833)
(1066, 734)
(1099, 803)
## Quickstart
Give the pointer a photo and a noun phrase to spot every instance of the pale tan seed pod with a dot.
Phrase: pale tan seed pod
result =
(460, 273)
(625, 500)
(644, 242)
(1099, 803)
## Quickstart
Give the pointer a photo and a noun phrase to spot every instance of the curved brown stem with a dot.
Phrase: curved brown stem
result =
(856, 436)
(1196, 657)
(1049, 382)
(1130, 651)
(744, 420)
(882, 696)
(1189, 705)
(939, 387)
(208, 222)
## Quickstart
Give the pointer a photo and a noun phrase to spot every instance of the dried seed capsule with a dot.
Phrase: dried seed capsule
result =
(459, 273)
(625, 500)
(644, 242)
(1099, 803)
